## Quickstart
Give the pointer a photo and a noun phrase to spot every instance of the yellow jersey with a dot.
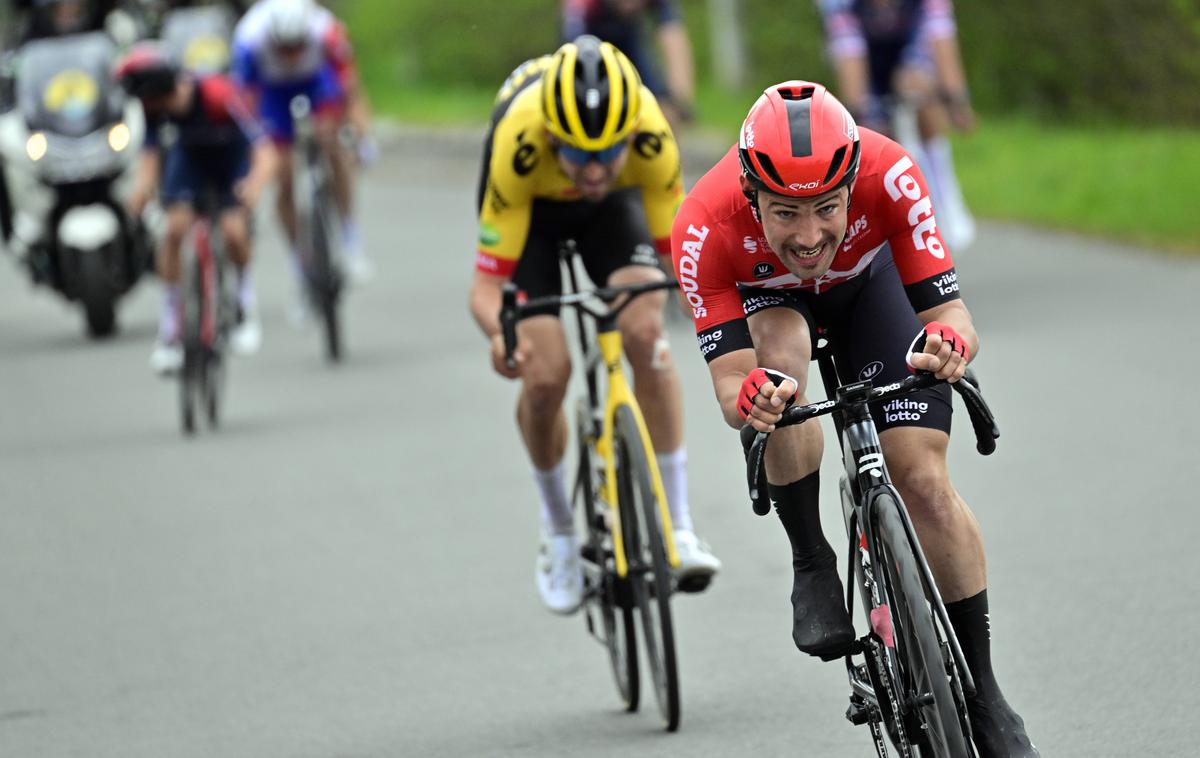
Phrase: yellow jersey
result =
(522, 167)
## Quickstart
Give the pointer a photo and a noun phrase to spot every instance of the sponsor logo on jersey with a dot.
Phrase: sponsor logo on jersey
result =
(763, 270)
(489, 236)
(708, 341)
(870, 371)
(648, 145)
(645, 254)
(525, 160)
(899, 183)
(689, 267)
(946, 283)
(853, 229)
(750, 244)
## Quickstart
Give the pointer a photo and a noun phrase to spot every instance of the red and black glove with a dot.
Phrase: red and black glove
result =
(755, 381)
(948, 335)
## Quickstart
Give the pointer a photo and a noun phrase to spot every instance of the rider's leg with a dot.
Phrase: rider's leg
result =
(544, 377)
(949, 533)
(953, 545)
(820, 624)
(655, 379)
(180, 217)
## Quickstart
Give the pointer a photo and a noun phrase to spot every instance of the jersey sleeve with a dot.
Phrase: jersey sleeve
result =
(842, 29)
(922, 258)
(507, 202)
(937, 19)
(659, 175)
(335, 42)
(224, 103)
(665, 11)
(244, 66)
(697, 251)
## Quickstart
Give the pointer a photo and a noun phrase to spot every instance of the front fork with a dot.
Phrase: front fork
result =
(620, 394)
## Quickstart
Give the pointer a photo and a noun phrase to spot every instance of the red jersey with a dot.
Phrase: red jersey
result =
(718, 245)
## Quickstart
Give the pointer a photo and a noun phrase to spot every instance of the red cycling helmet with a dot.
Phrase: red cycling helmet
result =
(799, 141)
(146, 71)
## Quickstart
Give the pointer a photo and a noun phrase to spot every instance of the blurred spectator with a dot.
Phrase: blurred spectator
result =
(623, 23)
(905, 52)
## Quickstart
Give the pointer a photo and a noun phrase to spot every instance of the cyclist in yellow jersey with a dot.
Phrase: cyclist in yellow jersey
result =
(579, 149)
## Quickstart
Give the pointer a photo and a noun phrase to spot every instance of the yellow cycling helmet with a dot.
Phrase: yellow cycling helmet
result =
(591, 94)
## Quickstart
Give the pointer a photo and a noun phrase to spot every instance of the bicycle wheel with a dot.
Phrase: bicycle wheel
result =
(647, 557)
(931, 712)
(191, 376)
(326, 272)
(613, 595)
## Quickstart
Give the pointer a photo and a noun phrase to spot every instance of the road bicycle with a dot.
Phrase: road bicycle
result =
(908, 679)
(319, 227)
(208, 313)
(629, 550)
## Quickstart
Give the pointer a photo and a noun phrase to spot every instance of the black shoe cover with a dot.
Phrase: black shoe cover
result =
(820, 624)
(999, 732)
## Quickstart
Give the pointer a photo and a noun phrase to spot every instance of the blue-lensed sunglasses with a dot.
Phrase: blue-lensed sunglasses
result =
(581, 157)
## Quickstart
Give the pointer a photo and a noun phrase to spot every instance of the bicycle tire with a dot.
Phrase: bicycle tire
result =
(923, 666)
(616, 613)
(651, 578)
(325, 274)
(191, 379)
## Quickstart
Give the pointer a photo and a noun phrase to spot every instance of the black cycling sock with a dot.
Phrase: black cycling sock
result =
(969, 618)
(796, 504)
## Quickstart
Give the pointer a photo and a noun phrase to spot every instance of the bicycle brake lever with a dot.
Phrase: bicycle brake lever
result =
(508, 322)
(754, 445)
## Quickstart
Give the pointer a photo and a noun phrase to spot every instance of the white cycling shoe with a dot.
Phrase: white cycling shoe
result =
(558, 573)
(166, 358)
(246, 337)
(697, 564)
(359, 269)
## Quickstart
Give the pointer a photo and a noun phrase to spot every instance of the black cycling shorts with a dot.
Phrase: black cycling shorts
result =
(870, 325)
(610, 235)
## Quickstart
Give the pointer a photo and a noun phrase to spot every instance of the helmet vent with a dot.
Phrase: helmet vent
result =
(804, 93)
(768, 168)
(834, 165)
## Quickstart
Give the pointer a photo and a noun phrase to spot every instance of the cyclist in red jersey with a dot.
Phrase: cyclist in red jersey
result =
(811, 223)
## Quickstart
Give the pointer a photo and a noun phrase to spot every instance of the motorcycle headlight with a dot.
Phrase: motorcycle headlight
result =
(118, 137)
(35, 146)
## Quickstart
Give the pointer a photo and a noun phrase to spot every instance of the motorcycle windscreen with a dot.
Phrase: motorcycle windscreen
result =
(199, 38)
(64, 84)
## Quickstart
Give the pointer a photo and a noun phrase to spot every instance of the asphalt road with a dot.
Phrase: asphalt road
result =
(345, 568)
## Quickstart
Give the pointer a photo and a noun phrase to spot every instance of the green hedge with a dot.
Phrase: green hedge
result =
(1134, 61)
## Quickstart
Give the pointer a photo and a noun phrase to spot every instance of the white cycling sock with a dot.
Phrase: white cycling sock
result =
(556, 506)
(168, 320)
(673, 469)
(247, 297)
(351, 239)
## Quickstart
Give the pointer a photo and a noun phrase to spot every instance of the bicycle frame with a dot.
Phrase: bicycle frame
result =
(608, 348)
(618, 392)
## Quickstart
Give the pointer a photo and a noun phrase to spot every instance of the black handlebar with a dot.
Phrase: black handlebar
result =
(754, 443)
(511, 311)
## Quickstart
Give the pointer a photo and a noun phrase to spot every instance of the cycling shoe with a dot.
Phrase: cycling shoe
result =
(998, 731)
(820, 624)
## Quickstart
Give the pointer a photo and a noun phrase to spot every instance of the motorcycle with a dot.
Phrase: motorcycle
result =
(68, 147)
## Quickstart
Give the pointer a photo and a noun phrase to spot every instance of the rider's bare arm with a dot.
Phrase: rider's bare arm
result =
(677, 54)
(145, 179)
